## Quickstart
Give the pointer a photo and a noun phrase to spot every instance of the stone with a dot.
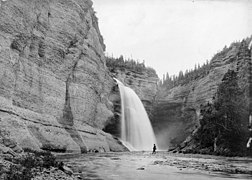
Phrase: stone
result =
(67, 170)
(4, 149)
(7, 157)
(7, 150)
(141, 168)
(9, 143)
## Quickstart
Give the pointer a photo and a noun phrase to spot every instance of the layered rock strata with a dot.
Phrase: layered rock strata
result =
(53, 82)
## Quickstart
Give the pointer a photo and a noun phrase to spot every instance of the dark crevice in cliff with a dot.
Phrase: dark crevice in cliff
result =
(68, 119)
(67, 112)
(113, 125)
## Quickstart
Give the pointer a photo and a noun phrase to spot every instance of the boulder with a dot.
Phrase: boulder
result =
(67, 170)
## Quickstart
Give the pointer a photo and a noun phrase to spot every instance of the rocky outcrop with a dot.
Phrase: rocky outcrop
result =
(54, 86)
(143, 84)
(177, 110)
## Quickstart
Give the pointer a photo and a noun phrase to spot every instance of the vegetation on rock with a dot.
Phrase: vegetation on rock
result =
(183, 78)
(130, 64)
(201, 71)
(30, 164)
(222, 124)
(192, 93)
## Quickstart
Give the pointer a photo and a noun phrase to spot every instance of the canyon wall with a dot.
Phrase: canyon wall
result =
(177, 111)
(54, 86)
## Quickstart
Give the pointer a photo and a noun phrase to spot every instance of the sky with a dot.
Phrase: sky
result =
(172, 35)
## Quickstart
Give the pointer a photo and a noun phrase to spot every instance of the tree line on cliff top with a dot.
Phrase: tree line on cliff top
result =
(122, 63)
(200, 71)
(170, 81)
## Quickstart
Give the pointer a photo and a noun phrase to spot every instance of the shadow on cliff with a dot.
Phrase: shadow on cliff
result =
(67, 120)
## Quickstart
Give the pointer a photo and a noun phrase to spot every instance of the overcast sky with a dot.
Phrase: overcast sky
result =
(172, 35)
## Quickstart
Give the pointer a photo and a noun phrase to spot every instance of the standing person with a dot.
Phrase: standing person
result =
(154, 149)
(249, 143)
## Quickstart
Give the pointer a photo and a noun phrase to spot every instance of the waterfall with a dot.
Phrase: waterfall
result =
(136, 130)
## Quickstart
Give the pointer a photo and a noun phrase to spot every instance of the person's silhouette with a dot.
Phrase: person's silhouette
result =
(154, 149)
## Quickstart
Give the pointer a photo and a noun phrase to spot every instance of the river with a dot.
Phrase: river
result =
(159, 166)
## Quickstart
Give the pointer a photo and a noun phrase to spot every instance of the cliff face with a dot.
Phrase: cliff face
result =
(143, 84)
(54, 86)
(177, 110)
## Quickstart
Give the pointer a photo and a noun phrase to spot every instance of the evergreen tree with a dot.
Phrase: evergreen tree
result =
(221, 123)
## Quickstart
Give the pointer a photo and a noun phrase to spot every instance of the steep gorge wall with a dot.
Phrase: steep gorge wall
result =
(54, 86)
(177, 110)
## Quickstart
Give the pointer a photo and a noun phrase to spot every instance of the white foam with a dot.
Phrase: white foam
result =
(136, 130)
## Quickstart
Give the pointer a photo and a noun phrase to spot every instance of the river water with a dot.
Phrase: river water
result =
(159, 166)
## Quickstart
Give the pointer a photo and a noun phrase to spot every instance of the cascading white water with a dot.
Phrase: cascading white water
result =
(136, 129)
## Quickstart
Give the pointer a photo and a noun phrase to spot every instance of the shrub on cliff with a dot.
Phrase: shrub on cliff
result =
(221, 125)
(130, 64)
